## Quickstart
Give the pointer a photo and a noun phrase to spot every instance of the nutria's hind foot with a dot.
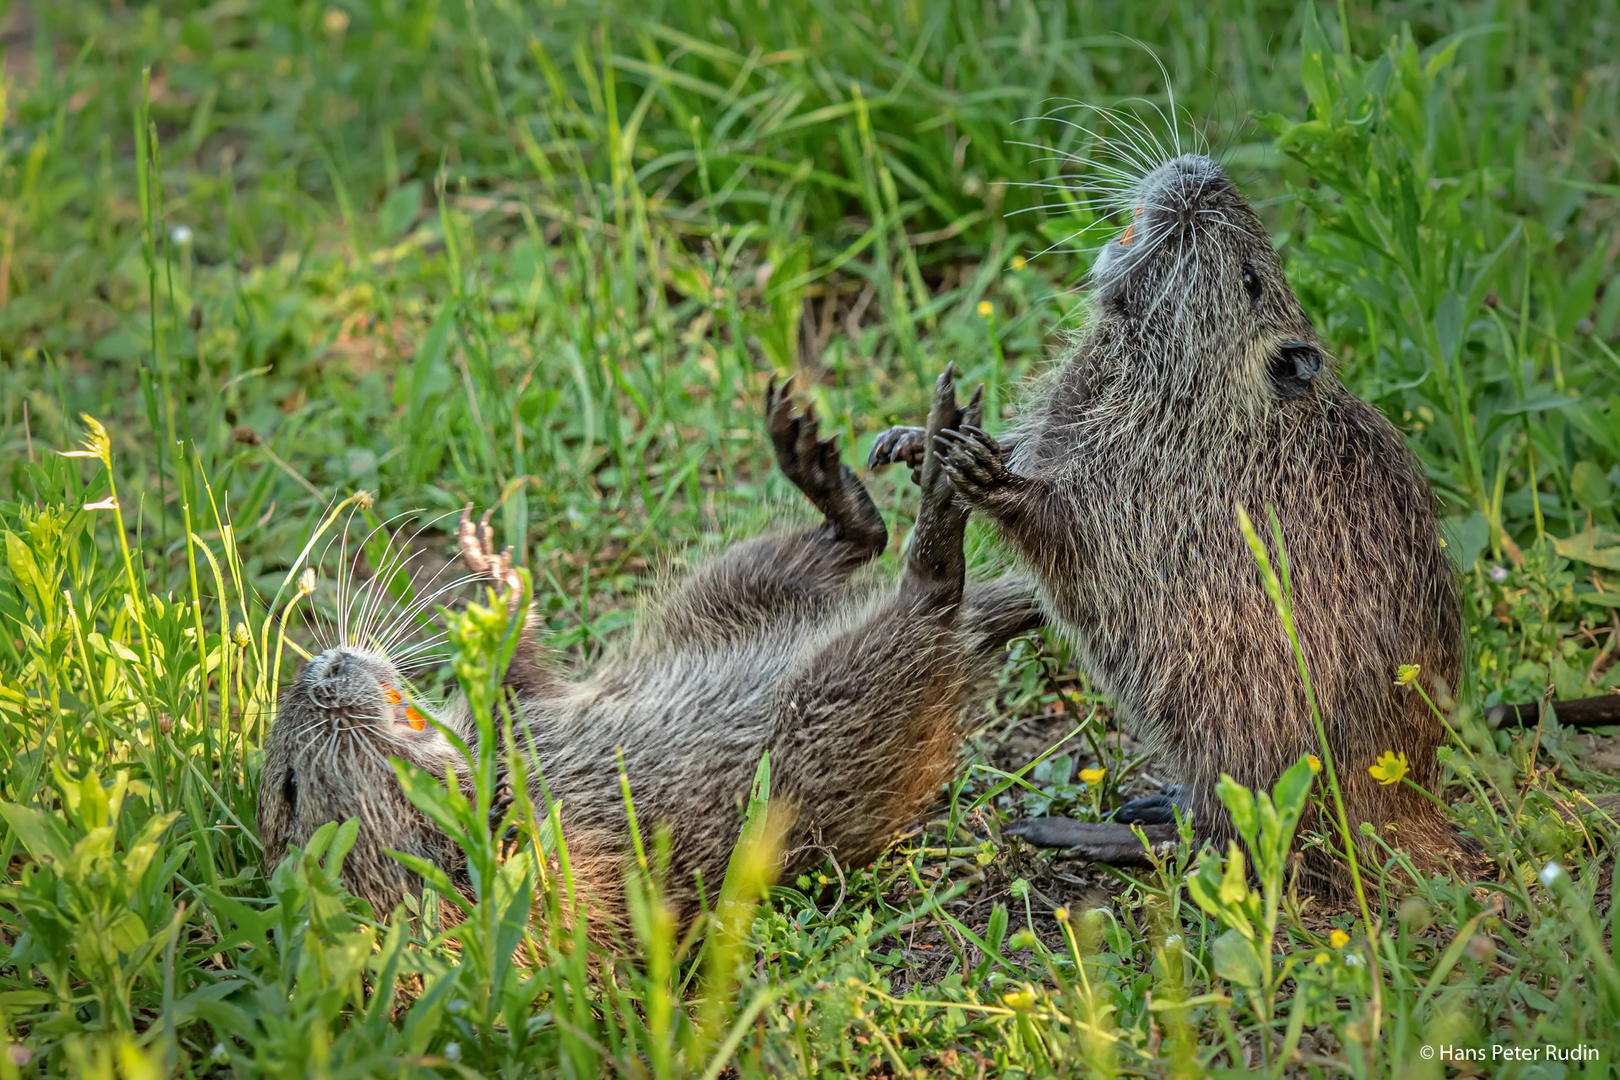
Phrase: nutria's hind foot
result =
(815, 468)
(477, 548)
(1108, 842)
(1155, 809)
(935, 566)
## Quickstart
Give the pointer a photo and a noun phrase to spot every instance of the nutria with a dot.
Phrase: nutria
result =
(1197, 386)
(854, 688)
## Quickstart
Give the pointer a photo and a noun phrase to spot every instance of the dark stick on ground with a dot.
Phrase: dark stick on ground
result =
(1590, 712)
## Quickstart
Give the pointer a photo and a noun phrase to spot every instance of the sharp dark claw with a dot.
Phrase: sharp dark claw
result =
(973, 414)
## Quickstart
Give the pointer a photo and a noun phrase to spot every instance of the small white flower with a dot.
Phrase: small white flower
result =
(1550, 873)
(180, 235)
(219, 1053)
(452, 1051)
(1497, 573)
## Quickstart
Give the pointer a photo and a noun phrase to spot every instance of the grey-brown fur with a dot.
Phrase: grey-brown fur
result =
(855, 688)
(1197, 386)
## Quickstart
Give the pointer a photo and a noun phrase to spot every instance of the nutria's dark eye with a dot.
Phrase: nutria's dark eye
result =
(1251, 282)
(289, 791)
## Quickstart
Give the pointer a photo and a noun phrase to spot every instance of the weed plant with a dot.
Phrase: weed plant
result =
(280, 272)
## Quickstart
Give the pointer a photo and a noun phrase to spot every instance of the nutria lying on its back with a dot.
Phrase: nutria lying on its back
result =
(1198, 386)
(855, 690)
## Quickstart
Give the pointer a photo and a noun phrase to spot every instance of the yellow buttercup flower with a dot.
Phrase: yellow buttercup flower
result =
(1338, 939)
(985, 308)
(1020, 999)
(1092, 776)
(1018, 262)
(1406, 674)
(1315, 763)
(1391, 767)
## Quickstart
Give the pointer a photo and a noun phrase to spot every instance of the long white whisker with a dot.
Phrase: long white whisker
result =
(398, 560)
(369, 589)
(422, 602)
(1138, 132)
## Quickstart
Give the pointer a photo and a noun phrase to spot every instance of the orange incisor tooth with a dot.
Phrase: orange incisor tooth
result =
(412, 717)
(1128, 235)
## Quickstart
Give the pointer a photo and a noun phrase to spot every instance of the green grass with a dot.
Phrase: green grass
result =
(444, 252)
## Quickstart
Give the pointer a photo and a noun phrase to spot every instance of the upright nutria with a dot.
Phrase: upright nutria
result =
(1197, 386)
(855, 689)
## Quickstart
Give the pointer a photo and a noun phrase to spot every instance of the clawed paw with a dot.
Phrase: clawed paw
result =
(811, 463)
(911, 444)
(907, 444)
(972, 460)
(501, 802)
(476, 544)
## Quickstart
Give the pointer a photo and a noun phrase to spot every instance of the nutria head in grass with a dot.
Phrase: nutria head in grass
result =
(1192, 303)
(328, 758)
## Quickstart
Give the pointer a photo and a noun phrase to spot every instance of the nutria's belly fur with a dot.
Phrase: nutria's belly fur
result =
(846, 769)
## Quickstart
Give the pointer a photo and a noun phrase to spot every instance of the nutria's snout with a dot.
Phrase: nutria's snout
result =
(1169, 206)
(352, 685)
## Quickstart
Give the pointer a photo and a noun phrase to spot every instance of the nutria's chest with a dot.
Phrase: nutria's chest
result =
(1153, 498)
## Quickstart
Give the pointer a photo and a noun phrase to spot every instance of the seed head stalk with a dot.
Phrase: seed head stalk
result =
(1279, 588)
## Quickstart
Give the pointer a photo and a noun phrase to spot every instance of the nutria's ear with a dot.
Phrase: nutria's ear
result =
(1293, 366)
(1307, 360)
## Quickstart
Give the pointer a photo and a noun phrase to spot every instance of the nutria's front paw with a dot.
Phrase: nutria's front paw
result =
(973, 462)
(910, 444)
(907, 444)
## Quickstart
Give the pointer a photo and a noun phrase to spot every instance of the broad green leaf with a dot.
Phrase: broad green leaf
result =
(1236, 961)
(1239, 802)
(1235, 883)
(400, 210)
(1590, 486)
(1292, 792)
(42, 834)
(1465, 538)
(1315, 57)
(1582, 547)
